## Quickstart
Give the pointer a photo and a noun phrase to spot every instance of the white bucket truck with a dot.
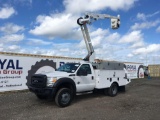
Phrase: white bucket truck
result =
(72, 78)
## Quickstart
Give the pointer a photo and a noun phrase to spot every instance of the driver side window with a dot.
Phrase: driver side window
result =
(85, 67)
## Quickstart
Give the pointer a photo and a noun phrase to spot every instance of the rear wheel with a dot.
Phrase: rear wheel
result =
(113, 90)
(63, 97)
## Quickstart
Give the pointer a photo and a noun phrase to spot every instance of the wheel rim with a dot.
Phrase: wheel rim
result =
(65, 98)
(114, 90)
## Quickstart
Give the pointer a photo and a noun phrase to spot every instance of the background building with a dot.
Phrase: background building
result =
(154, 70)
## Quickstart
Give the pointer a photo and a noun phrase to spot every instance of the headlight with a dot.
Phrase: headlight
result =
(51, 81)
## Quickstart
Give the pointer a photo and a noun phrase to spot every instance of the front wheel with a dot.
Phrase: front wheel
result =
(63, 97)
(113, 90)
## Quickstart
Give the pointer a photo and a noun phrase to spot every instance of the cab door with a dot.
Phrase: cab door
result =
(85, 80)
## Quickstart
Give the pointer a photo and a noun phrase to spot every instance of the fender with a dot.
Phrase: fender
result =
(65, 80)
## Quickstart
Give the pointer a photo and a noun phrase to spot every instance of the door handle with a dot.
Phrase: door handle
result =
(92, 78)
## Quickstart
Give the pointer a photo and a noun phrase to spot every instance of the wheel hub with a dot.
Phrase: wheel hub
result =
(65, 98)
(114, 90)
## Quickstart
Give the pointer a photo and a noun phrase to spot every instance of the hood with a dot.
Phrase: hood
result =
(57, 74)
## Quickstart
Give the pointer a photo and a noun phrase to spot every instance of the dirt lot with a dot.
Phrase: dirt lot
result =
(141, 101)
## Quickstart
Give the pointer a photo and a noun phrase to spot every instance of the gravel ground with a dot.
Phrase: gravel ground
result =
(141, 101)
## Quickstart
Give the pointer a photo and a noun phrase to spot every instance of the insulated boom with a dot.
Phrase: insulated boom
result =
(88, 19)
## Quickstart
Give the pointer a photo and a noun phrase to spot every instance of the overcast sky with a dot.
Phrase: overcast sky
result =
(49, 27)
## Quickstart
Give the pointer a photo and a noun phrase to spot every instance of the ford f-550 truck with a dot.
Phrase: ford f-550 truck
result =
(72, 78)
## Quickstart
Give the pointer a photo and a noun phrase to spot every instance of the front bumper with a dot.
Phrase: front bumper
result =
(48, 91)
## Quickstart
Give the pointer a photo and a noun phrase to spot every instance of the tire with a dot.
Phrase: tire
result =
(113, 90)
(41, 96)
(63, 97)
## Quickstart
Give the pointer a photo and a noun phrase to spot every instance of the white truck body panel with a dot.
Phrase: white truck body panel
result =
(104, 78)
(55, 74)
(85, 83)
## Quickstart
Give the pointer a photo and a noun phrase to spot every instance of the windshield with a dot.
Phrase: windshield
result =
(69, 67)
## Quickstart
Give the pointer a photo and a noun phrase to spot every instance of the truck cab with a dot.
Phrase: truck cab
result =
(81, 74)
(72, 77)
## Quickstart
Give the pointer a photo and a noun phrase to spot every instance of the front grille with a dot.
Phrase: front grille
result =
(39, 80)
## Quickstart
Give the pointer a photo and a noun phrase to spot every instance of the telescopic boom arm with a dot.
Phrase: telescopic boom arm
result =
(88, 19)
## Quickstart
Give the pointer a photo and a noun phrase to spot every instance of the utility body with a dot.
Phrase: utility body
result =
(89, 75)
